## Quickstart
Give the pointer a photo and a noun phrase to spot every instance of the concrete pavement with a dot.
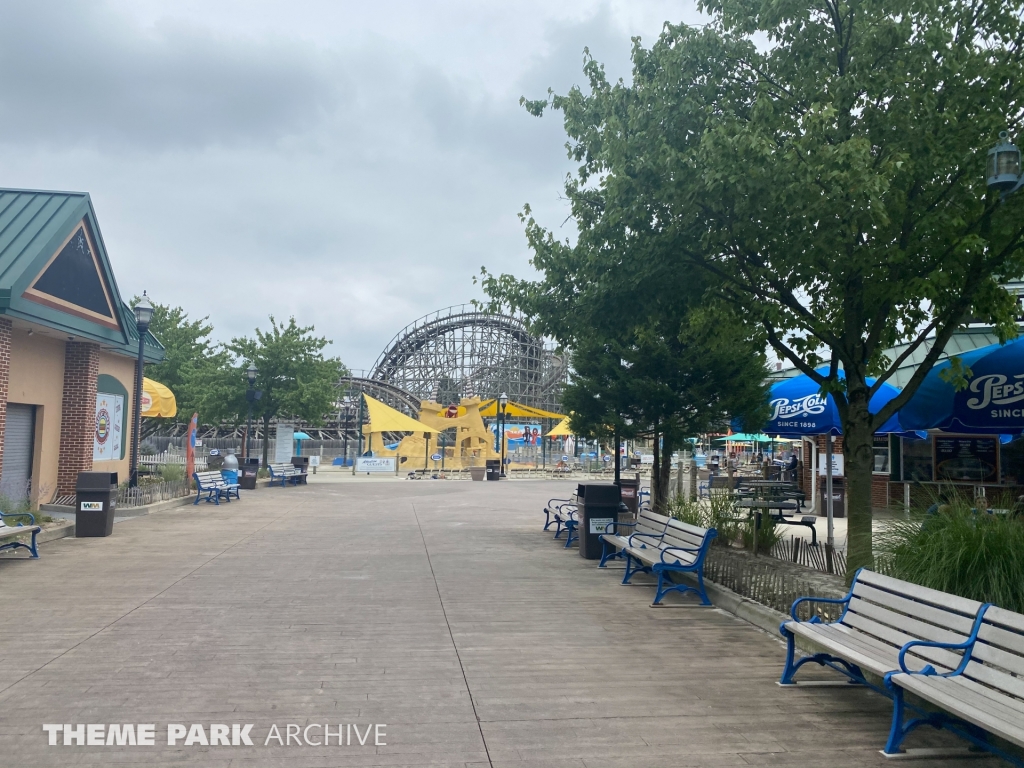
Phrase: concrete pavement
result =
(438, 609)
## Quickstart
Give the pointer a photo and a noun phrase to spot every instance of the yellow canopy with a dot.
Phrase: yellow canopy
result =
(384, 418)
(157, 400)
(561, 429)
(490, 408)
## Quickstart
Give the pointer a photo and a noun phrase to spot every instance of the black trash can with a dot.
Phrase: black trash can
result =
(247, 472)
(95, 501)
(301, 462)
(630, 487)
(599, 507)
(493, 469)
(838, 496)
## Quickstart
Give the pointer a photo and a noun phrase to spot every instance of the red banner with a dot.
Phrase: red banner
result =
(190, 447)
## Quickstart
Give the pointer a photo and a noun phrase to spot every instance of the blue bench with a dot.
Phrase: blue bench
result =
(9, 533)
(215, 487)
(286, 473)
(680, 548)
(614, 543)
(564, 515)
(964, 657)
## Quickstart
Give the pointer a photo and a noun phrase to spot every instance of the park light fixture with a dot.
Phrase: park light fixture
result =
(143, 314)
(1003, 173)
(502, 404)
(143, 317)
(251, 372)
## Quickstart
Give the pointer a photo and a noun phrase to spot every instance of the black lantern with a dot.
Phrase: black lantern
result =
(251, 396)
(1003, 172)
(143, 317)
(250, 373)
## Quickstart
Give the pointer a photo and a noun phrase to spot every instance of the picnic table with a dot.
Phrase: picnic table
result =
(776, 508)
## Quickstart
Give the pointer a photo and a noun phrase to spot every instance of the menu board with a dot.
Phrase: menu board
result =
(967, 459)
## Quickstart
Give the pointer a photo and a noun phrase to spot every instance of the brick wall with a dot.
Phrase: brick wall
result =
(78, 413)
(5, 376)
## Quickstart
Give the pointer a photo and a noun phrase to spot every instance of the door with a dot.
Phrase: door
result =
(19, 439)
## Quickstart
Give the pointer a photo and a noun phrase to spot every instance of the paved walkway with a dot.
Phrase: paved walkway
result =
(436, 608)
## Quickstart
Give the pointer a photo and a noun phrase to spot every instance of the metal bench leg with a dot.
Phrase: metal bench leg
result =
(571, 528)
(547, 518)
(199, 495)
(606, 556)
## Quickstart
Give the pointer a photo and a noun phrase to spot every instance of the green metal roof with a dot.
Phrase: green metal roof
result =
(33, 226)
(966, 340)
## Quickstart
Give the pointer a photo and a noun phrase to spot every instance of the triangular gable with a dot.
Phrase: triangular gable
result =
(72, 281)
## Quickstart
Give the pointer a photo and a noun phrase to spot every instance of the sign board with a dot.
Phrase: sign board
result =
(199, 443)
(966, 459)
(284, 444)
(647, 458)
(435, 457)
(565, 458)
(90, 506)
(373, 464)
(837, 464)
(628, 491)
(606, 458)
(106, 444)
(314, 461)
(601, 524)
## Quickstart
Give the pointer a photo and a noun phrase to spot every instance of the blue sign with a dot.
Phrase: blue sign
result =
(435, 457)
(565, 458)
(799, 409)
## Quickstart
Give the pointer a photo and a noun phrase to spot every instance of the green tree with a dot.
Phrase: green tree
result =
(192, 361)
(825, 162)
(295, 378)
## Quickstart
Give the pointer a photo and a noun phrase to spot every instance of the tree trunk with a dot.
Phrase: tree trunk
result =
(858, 457)
(655, 491)
(266, 439)
(664, 473)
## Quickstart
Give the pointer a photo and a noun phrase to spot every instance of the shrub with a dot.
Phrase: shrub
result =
(976, 555)
(716, 512)
(172, 472)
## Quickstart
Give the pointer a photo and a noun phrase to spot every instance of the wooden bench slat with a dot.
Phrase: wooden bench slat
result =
(924, 611)
(1005, 618)
(914, 628)
(998, 639)
(955, 696)
(995, 678)
(924, 594)
(897, 639)
(887, 653)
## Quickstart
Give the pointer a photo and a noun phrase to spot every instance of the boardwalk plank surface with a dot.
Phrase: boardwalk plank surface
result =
(438, 608)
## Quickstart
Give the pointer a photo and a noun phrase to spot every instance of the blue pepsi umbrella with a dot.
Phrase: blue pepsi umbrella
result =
(992, 403)
(799, 410)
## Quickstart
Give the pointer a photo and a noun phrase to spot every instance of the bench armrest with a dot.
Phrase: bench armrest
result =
(645, 535)
(29, 515)
(967, 646)
(815, 619)
(616, 524)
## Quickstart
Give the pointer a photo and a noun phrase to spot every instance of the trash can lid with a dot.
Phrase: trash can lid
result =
(96, 481)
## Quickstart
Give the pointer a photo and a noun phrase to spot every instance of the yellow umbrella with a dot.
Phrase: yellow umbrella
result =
(384, 418)
(157, 400)
(561, 429)
(490, 408)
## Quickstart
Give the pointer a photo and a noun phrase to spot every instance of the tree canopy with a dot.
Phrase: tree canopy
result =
(821, 165)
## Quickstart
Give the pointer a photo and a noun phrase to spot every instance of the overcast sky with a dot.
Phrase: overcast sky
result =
(353, 164)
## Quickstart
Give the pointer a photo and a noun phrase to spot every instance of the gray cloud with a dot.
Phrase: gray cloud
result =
(356, 180)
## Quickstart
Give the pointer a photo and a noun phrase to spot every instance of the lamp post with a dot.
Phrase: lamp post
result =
(250, 398)
(503, 404)
(143, 316)
(1003, 172)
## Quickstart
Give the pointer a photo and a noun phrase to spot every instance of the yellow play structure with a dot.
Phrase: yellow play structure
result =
(474, 442)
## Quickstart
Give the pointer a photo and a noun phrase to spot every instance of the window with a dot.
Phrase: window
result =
(917, 460)
(882, 461)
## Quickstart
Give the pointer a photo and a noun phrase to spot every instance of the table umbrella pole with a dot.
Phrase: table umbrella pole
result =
(830, 539)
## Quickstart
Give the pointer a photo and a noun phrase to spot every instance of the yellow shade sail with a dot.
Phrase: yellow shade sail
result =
(490, 408)
(561, 429)
(384, 418)
(157, 400)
